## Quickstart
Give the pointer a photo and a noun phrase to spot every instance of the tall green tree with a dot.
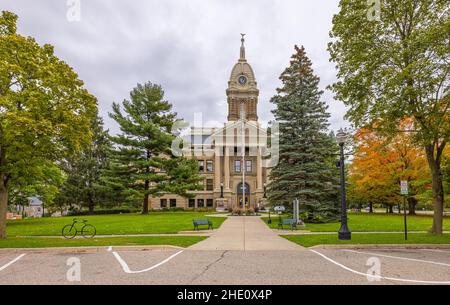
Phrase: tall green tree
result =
(84, 170)
(143, 164)
(45, 112)
(396, 67)
(305, 169)
(46, 180)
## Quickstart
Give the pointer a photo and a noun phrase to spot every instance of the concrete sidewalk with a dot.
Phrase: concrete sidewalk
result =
(245, 234)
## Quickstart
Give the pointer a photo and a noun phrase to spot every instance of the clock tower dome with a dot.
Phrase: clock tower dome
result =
(242, 89)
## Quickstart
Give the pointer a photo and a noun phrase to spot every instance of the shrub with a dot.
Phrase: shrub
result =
(205, 210)
(104, 212)
(237, 212)
(169, 210)
(250, 212)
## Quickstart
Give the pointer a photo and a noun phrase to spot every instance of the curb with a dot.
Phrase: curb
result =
(90, 249)
(181, 233)
(384, 246)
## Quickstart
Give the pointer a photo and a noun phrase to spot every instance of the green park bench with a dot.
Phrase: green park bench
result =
(202, 222)
(287, 222)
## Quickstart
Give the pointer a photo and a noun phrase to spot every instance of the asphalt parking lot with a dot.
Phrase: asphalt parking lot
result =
(191, 267)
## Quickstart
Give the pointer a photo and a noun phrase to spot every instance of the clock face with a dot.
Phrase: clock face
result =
(242, 80)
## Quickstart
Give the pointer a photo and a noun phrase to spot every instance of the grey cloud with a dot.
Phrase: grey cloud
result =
(187, 46)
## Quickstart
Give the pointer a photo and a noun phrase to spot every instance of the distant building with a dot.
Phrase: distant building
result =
(221, 161)
(33, 210)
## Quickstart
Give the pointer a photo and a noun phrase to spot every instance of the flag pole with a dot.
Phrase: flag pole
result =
(243, 156)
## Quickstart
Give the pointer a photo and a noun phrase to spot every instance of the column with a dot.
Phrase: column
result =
(226, 165)
(217, 169)
(259, 171)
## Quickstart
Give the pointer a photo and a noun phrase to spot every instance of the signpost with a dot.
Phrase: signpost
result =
(295, 210)
(404, 192)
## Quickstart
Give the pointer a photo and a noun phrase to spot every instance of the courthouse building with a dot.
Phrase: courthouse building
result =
(230, 178)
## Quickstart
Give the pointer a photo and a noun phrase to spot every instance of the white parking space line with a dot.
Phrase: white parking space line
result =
(375, 277)
(126, 269)
(399, 257)
(435, 250)
(11, 262)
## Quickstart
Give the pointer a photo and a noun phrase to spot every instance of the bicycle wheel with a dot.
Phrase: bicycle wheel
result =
(88, 231)
(69, 232)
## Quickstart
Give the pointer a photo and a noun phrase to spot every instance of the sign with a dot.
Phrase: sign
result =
(404, 187)
(404, 191)
(279, 208)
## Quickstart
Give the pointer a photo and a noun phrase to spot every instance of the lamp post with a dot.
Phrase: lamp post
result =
(221, 190)
(344, 232)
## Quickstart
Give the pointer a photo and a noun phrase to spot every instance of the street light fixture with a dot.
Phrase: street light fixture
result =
(344, 232)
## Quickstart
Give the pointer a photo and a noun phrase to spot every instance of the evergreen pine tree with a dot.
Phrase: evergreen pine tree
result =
(305, 170)
(84, 171)
(142, 164)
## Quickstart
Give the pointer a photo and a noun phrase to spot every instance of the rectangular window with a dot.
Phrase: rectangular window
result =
(201, 203)
(191, 203)
(209, 203)
(237, 166)
(209, 184)
(163, 203)
(248, 166)
(173, 203)
(201, 166)
(209, 166)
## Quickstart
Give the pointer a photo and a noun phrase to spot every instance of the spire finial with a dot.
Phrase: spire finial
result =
(242, 47)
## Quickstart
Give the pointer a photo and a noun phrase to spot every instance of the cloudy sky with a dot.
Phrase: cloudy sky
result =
(187, 46)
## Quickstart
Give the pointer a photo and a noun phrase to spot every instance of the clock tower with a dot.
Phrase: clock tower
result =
(242, 89)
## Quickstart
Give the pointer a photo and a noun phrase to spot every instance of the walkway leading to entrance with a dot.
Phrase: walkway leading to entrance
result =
(245, 234)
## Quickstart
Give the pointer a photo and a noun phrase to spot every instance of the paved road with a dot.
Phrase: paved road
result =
(252, 259)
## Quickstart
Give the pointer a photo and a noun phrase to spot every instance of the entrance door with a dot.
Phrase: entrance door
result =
(245, 192)
(247, 201)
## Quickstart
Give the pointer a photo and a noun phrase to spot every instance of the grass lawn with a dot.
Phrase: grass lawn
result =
(390, 238)
(18, 242)
(154, 223)
(374, 223)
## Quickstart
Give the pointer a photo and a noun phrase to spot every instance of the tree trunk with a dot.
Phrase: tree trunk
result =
(371, 208)
(438, 188)
(391, 209)
(91, 204)
(146, 197)
(147, 185)
(412, 202)
(3, 207)
(145, 207)
(399, 207)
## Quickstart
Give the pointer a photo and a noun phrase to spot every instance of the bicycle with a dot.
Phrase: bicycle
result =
(87, 231)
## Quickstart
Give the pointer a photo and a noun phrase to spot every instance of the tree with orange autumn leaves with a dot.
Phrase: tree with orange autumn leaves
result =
(379, 164)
